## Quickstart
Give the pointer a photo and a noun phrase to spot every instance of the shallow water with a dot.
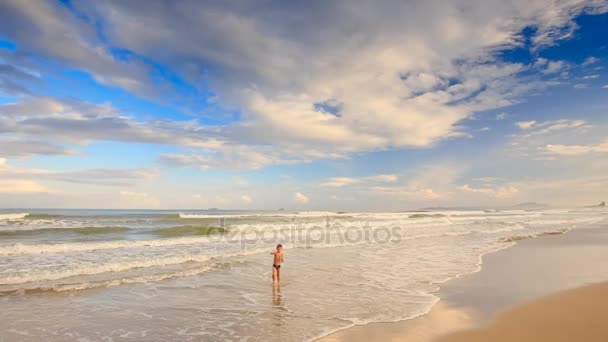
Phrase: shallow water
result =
(58, 283)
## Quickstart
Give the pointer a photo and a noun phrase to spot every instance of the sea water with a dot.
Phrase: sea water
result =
(114, 275)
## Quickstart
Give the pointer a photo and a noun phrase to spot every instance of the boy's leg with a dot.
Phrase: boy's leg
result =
(279, 275)
(274, 274)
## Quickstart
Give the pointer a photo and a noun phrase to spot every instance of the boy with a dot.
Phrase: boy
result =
(279, 257)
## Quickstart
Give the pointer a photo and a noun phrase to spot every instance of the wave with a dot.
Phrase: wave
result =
(352, 322)
(42, 248)
(307, 214)
(77, 230)
(174, 236)
(169, 231)
(426, 216)
(44, 216)
(87, 270)
(101, 215)
(516, 238)
(188, 230)
(13, 217)
(36, 287)
(119, 266)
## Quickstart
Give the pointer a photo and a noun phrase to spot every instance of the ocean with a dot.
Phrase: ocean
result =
(205, 275)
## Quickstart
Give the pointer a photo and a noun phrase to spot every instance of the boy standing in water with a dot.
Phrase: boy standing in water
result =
(279, 257)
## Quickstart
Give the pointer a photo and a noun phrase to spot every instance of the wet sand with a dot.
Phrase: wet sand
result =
(574, 315)
(524, 281)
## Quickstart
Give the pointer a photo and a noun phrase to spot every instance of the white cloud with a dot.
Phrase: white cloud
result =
(535, 128)
(428, 183)
(499, 192)
(300, 198)
(428, 194)
(20, 148)
(590, 60)
(525, 124)
(106, 177)
(13, 186)
(501, 116)
(488, 179)
(231, 156)
(31, 120)
(340, 181)
(580, 86)
(15, 180)
(532, 142)
(548, 67)
(246, 199)
(605, 86)
(384, 178)
(134, 194)
(53, 30)
(573, 150)
(337, 182)
(591, 77)
(412, 193)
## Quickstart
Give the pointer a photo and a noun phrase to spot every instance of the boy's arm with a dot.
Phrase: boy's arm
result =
(282, 257)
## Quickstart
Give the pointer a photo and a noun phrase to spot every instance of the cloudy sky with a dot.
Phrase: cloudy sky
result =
(306, 105)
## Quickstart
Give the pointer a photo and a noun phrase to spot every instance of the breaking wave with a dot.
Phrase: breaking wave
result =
(12, 217)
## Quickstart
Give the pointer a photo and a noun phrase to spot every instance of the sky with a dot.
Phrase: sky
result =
(303, 105)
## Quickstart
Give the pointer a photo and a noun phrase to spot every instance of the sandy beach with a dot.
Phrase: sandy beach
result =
(574, 315)
(519, 295)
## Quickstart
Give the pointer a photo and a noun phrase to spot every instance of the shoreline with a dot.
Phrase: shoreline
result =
(325, 337)
(328, 337)
(462, 301)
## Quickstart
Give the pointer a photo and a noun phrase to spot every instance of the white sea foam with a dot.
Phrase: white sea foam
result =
(13, 217)
(83, 270)
(79, 286)
(41, 248)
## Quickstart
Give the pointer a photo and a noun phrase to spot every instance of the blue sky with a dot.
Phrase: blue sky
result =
(331, 106)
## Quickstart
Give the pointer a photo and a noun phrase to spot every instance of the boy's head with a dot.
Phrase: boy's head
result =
(279, 247)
